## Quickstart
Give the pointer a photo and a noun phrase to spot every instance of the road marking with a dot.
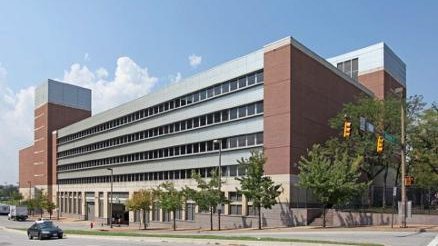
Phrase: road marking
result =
(434, 242)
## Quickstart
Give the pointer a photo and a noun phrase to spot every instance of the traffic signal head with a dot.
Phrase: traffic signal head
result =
(409, 181)
(379, 144)
(347, 129)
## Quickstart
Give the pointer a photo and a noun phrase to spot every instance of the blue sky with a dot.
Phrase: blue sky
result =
(43, 39)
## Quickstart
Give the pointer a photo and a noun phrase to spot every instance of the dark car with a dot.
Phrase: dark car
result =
(43, 230)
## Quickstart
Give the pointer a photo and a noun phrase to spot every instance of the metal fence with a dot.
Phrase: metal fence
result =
(376, 199)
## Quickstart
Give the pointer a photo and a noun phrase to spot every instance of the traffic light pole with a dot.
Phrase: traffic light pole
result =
(403, 163)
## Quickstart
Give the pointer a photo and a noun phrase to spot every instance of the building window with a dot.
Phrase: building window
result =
(349, 67)
(235, 209)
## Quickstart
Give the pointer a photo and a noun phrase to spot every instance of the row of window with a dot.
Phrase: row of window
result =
(181, 150)
(184, 125)
(350, 67)
(227, 171)
(198, 96)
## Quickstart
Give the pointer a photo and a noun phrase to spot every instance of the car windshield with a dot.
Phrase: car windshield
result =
(47, 225)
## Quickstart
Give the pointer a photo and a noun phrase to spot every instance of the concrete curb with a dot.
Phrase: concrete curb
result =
(184, 240)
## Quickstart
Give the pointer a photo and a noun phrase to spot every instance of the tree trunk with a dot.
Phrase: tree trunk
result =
(211, 219)
(174, 220)
(260, 217)
(50, 215)
(323, 216)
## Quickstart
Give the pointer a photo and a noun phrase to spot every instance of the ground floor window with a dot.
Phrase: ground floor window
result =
(190, 211)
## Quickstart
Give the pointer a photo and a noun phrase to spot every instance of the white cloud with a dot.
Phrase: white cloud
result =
(175, 78)
(16, 125)
(130, 81)
(195, 60)
(87, 57)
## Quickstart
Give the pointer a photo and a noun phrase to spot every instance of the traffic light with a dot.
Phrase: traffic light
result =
(347, 129)
(379, 144)
(409, 181)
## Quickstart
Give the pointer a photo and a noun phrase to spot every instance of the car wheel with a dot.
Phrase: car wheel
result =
(60, 236)
(29, 236)
(40, 237)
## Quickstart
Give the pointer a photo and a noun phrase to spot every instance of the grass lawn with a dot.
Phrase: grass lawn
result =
(214, 237)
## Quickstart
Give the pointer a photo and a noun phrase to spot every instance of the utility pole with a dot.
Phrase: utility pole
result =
(30, 189)
(400, 91)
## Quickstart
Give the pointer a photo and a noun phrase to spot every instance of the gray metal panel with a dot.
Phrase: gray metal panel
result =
(250, 125)
(176, 163)
(63, 94)
(232, 100)
(226, 71)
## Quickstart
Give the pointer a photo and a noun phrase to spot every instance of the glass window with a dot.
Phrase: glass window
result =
(195, 148)
(177, 103)
(347, 67)
(166, 106)
(189, 124)
(233, 113)
(183, 125)
(217, 90)
(225, 115)
(210, 119)
(196, 97)
(210, 92)
(225, 87)
(250, 140)
(189, 149)
(183, 101)
(251, 79)
(202, 147)
(171, 104)
(217, 117)
(233, 170)
(177, 127)
(259, 107)
(233, 85)
(259, 77)
(259, 138)
(233, 142)
(203, 94)
(189, 99)
(242, 111)
(341, 66)
(196, 122)
(251, 109)
(202, 121)
(242, 141)
(242, 82)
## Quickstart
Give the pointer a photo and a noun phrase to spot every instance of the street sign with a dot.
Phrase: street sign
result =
(370, 127)
(394, 191)
(389, 137)
(362, 123)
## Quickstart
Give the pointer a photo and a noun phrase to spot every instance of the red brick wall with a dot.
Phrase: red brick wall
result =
(380, 83)
(26, 167)
(300, 96)
(48, 118)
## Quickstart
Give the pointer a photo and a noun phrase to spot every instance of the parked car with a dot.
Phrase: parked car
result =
(17, 213)
(45, 229)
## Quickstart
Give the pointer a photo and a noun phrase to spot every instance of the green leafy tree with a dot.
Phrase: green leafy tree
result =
(207, 195)
(423, 148)
(170, 199)
(333, 177)
(47, 204)
(257, 187)
(385, 116)
(31, 205)
(141, 201)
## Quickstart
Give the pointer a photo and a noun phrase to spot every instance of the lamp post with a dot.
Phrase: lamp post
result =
(220, 182)
(111, 198)
(58, 197)
(30, 189)
(399, 91)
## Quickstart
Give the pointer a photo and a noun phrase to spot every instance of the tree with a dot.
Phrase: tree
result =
(256, 187)
(47, 204)
(423, 145)
(207, 195)
(332, 177)
(31, 205)
(170, 199)
(141, 201)
(385, 116)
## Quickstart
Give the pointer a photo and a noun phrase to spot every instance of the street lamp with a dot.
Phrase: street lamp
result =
(220, 182)
(399, 91)
(111, 198)
(58, 197)
(30, 189)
